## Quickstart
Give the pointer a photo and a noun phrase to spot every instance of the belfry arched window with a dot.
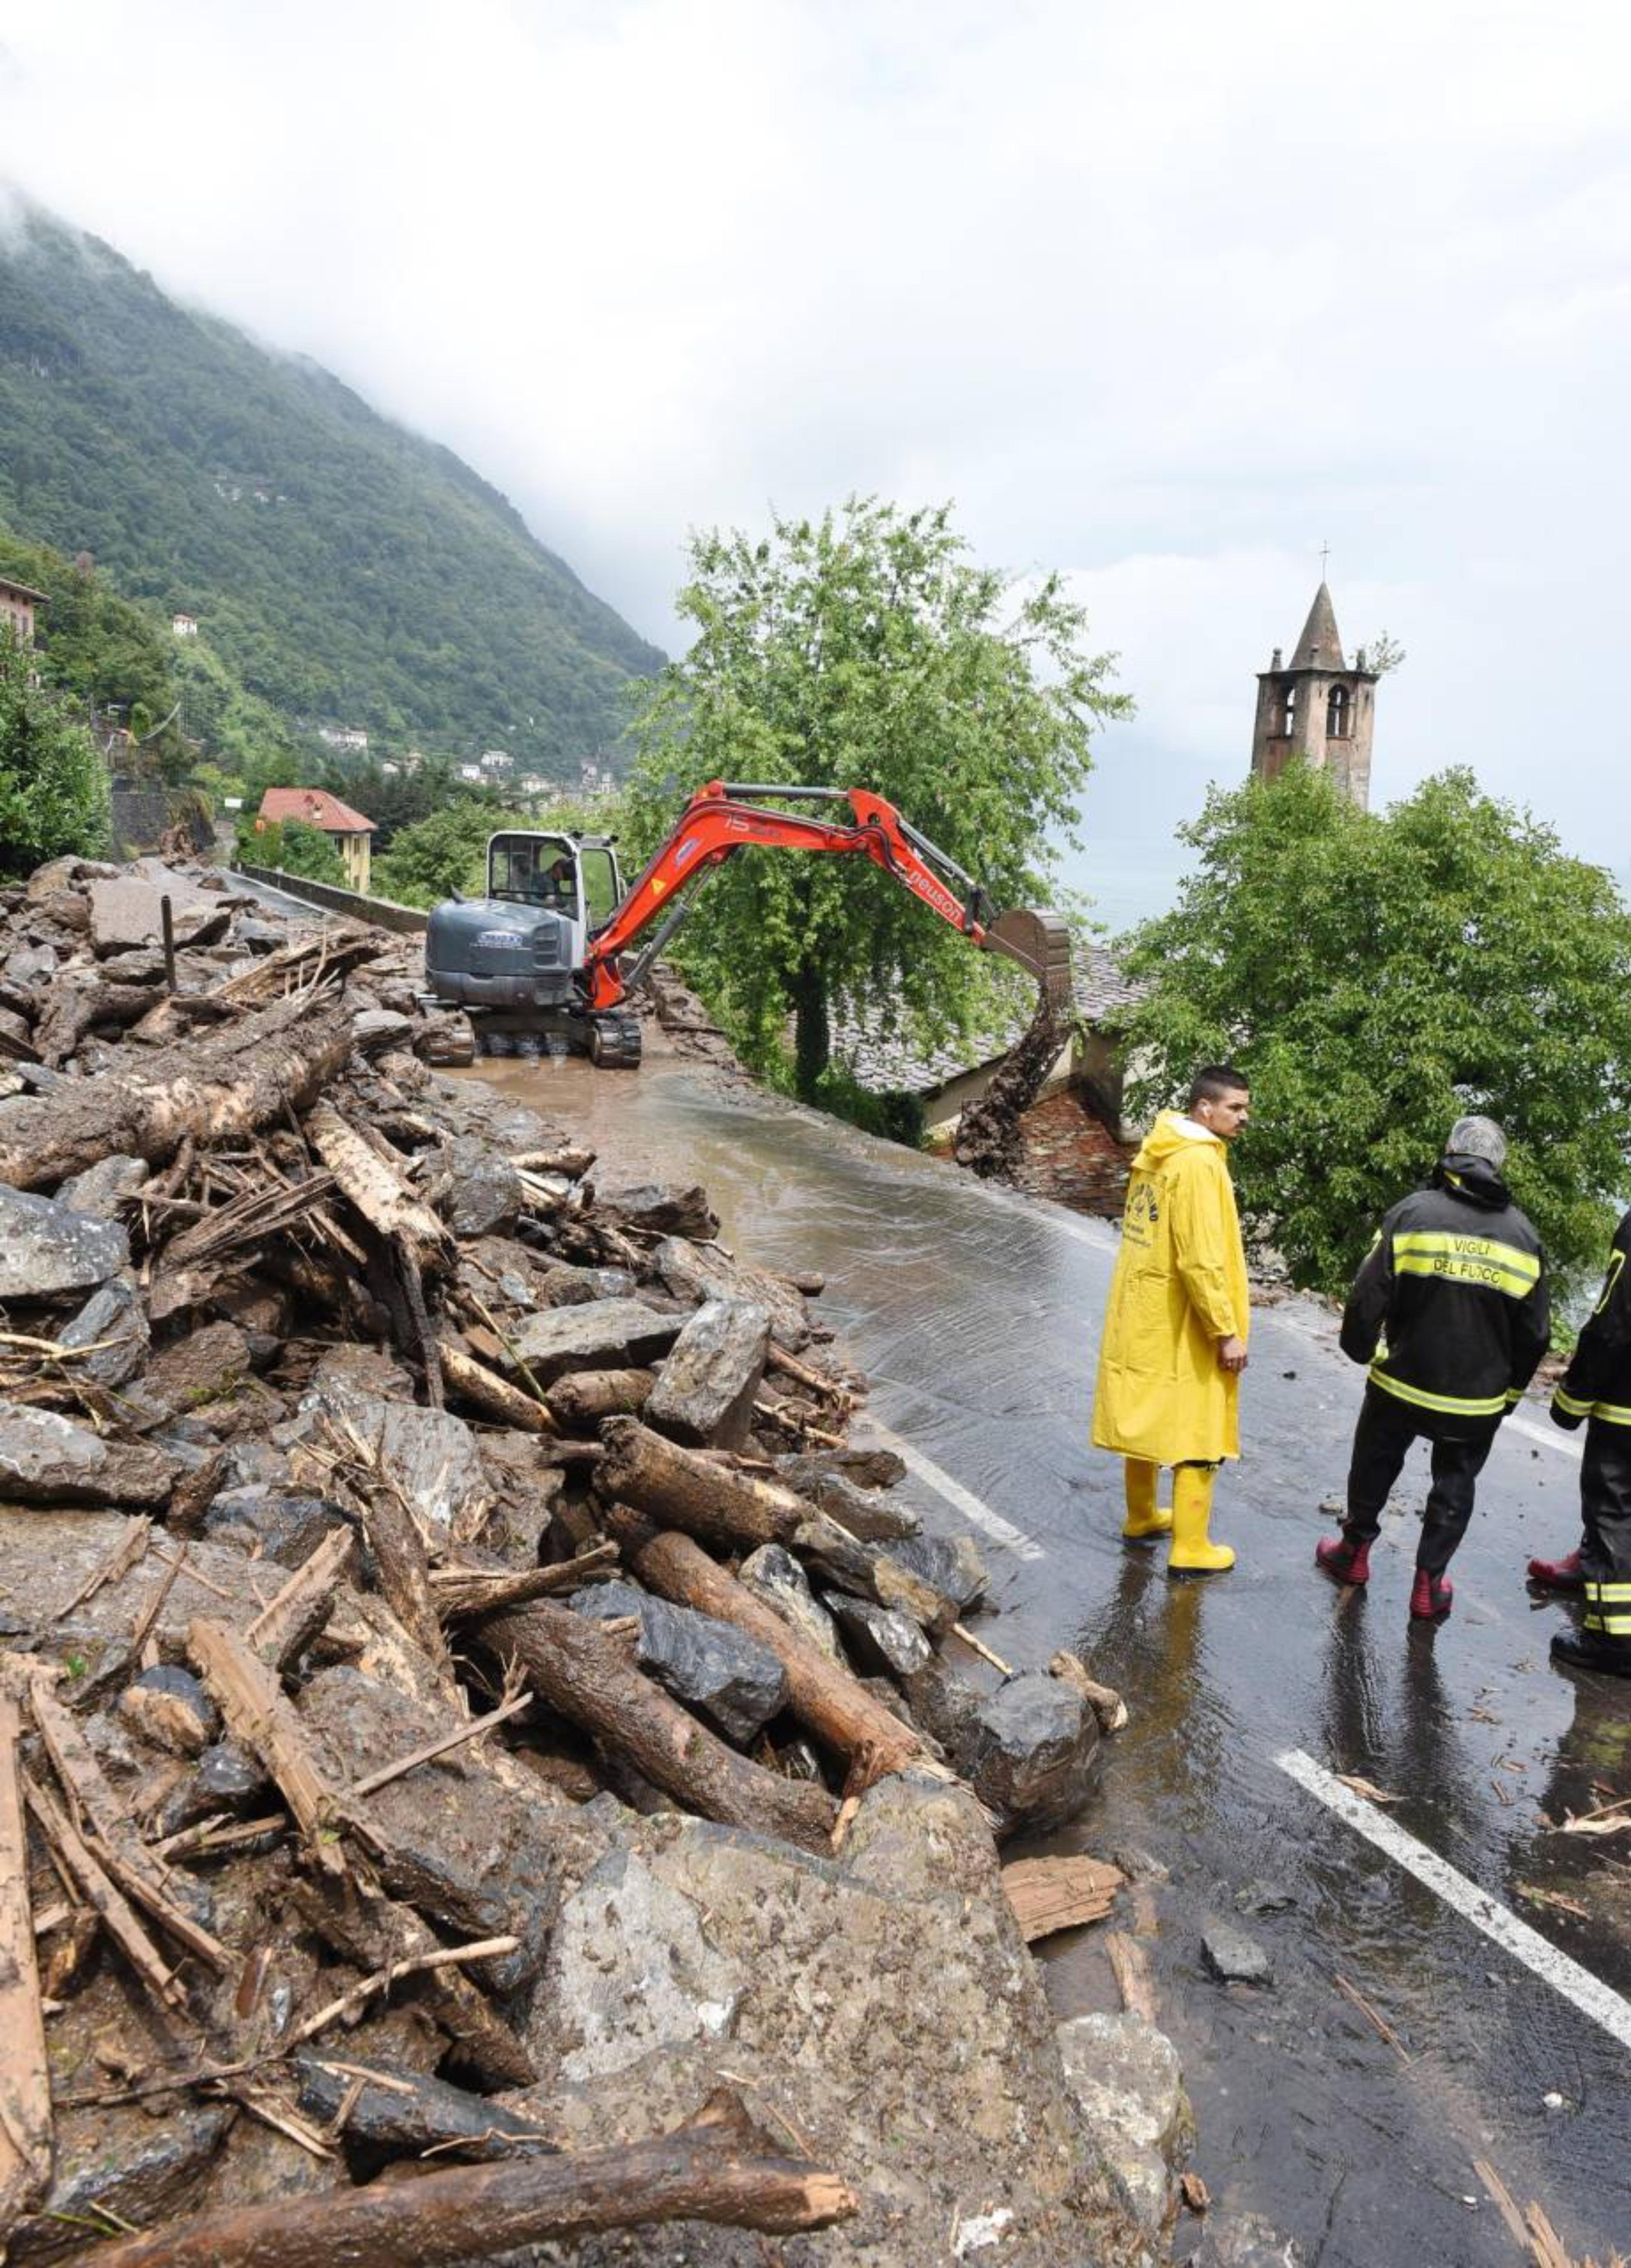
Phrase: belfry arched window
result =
(1288, 712)
(1337, 713)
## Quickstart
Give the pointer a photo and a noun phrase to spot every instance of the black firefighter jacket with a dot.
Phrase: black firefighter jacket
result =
(1451, 1308)
(1597, 1383)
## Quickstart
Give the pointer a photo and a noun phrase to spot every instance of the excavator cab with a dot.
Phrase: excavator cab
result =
(574, 875)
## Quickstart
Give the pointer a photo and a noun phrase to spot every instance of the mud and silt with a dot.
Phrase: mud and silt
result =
(975, 1314)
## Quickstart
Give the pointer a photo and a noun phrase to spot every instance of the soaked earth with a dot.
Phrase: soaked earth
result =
(975, 1314)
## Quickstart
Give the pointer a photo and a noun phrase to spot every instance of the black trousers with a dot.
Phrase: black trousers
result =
(1381, 1440)
(1606, 1548)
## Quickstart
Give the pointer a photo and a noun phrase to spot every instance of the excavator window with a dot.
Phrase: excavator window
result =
(541, 870)
(602, 886)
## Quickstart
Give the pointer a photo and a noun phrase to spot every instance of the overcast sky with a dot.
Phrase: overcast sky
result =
(1163, 297)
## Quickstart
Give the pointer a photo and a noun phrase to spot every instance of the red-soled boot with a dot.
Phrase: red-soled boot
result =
(1343, 1559)
(1558, 1574)
(1430, 1597)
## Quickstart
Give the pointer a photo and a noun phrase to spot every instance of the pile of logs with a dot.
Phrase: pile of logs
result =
(316, 1365)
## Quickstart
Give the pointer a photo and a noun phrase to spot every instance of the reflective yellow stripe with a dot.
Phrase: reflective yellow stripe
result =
(1614, 1266)
(1611, 1413)
(1449, 1404)
(1602, 1594)
(1569, 1407)
(1613, 1625)
(1468, 1259)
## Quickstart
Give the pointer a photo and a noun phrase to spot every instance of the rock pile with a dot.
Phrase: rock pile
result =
(464, 1703)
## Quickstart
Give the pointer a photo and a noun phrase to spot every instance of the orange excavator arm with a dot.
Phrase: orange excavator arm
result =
(722, 818)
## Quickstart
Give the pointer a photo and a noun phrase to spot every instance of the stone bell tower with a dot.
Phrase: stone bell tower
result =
(1317, 708)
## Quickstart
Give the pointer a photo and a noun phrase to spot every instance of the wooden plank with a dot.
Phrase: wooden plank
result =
(1131, 1965)
(25, 2078)
(1048, 1895)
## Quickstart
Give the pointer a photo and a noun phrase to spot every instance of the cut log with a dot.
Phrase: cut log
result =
(585, 1676)
(720, 2168)
(705, 1390)
(378, 1190)
(211, 1089)
(1048, 1895)
(585, 1398)
(25, 2077)
(678, 1488)
(473, 1382)
(399, 2113)
(834, 1705)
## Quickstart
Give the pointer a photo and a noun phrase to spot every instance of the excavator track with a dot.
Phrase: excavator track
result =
(615, 1040)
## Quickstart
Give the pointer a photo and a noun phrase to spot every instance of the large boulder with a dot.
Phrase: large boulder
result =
(1031, 1751)
(880, 2006)
(598, 1334)
(705, 1390)
(1125, 2077)
(711, 1666)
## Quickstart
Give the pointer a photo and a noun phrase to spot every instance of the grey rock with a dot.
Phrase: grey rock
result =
(259, 936)
(44, 1248)
(114, 1322)
(1235, 1958)
(1031, 1752)
(31, 966)
(698, 1272)
(944, 1704)
(272, 1523)
(118, 2167)
(773, 1574)
(880, 1638)
(659, 1208)
(97, 1191)
(475, 1188)
(375, 1029)
(1260, 1897)
(1242, 2239)
(868, 1514)
(730, 1677)
(868, 1571)
(705, 1390)
(193, 1372)
(1125, 2075)
(430, 1454)
(953, 1564)
(46, 1459)
(139, 966)
(601, 1335)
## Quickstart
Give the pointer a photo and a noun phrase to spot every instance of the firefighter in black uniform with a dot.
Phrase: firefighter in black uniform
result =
(1596, 1387)
(1451, 1312)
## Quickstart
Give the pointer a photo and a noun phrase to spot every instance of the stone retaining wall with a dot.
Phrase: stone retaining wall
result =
(410, 921)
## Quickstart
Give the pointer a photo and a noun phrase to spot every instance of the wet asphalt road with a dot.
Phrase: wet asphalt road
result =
(975, 1314)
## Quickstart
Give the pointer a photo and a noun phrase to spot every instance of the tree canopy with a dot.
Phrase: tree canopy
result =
(865, 648)
(52, 788)
(1375, 975)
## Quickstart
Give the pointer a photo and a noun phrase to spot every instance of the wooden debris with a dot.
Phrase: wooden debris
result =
(282, 1630)
(495, 1396)
(1194, 2191)
(1107, 1704)
(583, 1397)
(443, 1747)
(1368, 1788)
(252, 1703)
(680, 1488)
(462, 1592)
(25, 2075)
(1050, 1895)
(1133, 1982)
(720, 2168)
(1374, 2017)
(109, 1903)
(978, 1646)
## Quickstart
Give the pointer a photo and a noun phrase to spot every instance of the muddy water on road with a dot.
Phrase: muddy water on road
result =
(975, 1314)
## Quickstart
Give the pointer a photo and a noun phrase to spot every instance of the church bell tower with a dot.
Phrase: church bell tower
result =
(1319, 708)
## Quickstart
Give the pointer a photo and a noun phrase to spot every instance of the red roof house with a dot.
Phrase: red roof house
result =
(348, 831)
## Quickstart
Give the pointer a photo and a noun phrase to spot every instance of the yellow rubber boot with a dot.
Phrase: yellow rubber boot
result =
(1193, 1553)
(1145, 1517)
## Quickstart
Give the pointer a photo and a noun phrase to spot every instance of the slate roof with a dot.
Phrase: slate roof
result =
(892, 1062)
(316, 808)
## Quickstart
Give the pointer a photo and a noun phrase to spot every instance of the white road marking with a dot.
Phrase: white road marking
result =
(1576, 1984)
(1001, 1530)
(1550, 1437)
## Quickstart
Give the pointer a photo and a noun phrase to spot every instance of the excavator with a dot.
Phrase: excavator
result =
(541, 958)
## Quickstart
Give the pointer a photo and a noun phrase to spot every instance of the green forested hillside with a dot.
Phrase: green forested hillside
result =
(345, 571)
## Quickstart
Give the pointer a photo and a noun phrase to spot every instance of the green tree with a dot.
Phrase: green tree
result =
(430, 859)
(865, 648)
(1377, 975)
(292, 847)
(52, 788)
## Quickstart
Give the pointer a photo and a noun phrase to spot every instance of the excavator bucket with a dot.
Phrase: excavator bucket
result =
(1040, 944)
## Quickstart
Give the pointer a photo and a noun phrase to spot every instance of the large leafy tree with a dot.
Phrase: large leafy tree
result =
(52, 787)
(865, 648)
(1377, 975)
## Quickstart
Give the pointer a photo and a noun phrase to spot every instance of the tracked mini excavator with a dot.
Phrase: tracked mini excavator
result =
(541, 956)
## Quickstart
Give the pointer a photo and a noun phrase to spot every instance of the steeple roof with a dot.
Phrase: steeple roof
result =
(1320, 645)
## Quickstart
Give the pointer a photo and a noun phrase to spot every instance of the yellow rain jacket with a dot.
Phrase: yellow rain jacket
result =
(1179, 1288)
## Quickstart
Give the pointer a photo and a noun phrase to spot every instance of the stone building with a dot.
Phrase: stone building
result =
(1316, 707)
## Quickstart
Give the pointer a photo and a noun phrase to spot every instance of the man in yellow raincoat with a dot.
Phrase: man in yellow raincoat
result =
(1175, 1331)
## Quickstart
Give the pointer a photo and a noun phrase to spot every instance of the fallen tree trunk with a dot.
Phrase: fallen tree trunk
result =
(211, 1090)
(720, 2168)
(587, 1676)
(25, 2075)
(583, 1397)
(680, 1488)
(834, 1705)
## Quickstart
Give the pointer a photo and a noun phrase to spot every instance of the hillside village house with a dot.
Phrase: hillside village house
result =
(17, 603)
(184, 625)
(351, 835)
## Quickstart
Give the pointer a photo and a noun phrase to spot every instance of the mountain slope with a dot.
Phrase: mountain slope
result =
(349, 571)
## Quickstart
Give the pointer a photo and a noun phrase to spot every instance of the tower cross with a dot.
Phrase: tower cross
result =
(1325, 554)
